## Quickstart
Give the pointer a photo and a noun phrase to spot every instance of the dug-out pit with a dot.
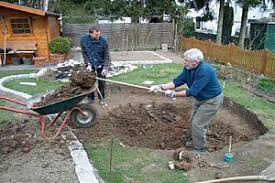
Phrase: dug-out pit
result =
(141, 119)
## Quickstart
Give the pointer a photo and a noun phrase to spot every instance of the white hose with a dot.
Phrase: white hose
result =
(239, 178)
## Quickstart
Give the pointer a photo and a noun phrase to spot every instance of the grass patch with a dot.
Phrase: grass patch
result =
(266, 85)
(131, 164)
(5, 116)
(15, 72)
(42, 85)
(159, 73)
(264, 109)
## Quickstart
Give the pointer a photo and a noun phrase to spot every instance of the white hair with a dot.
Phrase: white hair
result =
(193, 54)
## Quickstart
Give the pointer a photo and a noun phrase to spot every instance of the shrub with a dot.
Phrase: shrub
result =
(60, 45)
(186, 27)
(266, 84)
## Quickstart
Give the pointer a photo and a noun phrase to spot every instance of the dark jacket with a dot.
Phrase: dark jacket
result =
(95, 52)
(202, 82)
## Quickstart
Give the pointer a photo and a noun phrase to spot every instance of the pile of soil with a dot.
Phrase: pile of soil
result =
(166, 126)
(17, 137)
(80, 81)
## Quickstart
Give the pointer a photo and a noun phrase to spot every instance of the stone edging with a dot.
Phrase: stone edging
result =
(84, 170)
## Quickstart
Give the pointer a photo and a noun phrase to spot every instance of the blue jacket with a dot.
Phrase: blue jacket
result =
(95, 52)
(202, 82)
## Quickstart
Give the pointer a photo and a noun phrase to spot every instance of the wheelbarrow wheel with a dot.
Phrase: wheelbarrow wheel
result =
(85, 118)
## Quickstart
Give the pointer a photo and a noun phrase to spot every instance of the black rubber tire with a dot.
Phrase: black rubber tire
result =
(84, 122)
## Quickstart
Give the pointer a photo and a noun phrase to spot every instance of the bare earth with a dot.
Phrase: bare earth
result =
(25, 157)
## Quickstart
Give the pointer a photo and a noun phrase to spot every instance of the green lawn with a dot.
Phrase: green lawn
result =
(264, 109)
(42, 85)
(13, 72)
(5, 116)
(131, 164)
(158, 73)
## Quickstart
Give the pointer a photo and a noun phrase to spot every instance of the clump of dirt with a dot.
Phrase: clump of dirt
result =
(80, 81)
(16, 137)
(165, 126)
(83, 79)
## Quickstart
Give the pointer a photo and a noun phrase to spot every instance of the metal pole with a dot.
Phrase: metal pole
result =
(111, 155)
(5, 45)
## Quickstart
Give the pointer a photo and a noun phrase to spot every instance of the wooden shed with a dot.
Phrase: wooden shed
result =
(25, 33)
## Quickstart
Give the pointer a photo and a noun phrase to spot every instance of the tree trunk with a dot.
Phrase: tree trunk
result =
(243, 27)
(220, 23)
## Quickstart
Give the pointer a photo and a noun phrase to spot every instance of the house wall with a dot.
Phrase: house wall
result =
(39, 26)
(211, 26)
(53, 27)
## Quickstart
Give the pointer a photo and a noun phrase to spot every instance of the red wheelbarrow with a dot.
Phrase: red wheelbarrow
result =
(83, 115)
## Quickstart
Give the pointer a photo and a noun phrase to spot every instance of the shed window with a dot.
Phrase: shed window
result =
(20, 25)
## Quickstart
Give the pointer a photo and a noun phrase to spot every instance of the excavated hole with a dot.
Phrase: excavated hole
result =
(167, 126)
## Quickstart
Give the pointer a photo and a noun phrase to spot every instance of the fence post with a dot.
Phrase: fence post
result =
(231, 53)
(264, 62)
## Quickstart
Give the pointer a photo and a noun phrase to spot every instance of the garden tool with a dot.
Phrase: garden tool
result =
(229, 157)
(123, 83)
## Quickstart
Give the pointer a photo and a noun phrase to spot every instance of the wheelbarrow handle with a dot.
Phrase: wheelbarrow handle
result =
(13, 100)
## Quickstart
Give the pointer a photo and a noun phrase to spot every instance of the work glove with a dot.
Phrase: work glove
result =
(104, 72)
(170, 93)
(155, 88)
(89, 67)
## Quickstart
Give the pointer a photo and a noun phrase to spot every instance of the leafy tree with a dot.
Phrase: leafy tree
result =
(10, 1)
(135, 9)
(160, 7)
(31, 3)
(98, 8)
(186, 25)
(204, 4)
(119, 8)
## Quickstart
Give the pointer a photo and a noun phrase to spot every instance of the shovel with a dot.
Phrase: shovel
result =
(125, 84)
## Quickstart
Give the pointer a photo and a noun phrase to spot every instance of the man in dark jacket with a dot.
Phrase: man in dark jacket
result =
(96, 55)
(204, 87)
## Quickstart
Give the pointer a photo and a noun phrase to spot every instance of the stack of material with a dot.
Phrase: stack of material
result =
(117, 69)
(65, 69)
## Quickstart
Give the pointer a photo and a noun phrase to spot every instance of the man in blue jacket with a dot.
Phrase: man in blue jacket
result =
(96, 55)
(204, 87)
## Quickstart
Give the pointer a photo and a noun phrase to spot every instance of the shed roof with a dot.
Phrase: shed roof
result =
(26, 9)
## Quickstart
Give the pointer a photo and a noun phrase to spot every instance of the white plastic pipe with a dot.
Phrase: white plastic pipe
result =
(239, 178)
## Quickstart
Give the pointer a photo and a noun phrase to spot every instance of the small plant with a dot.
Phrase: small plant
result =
(267, 85)
(60, 45)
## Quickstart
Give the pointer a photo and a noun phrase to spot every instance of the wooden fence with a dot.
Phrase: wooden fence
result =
(128, 36)
(260, 62)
